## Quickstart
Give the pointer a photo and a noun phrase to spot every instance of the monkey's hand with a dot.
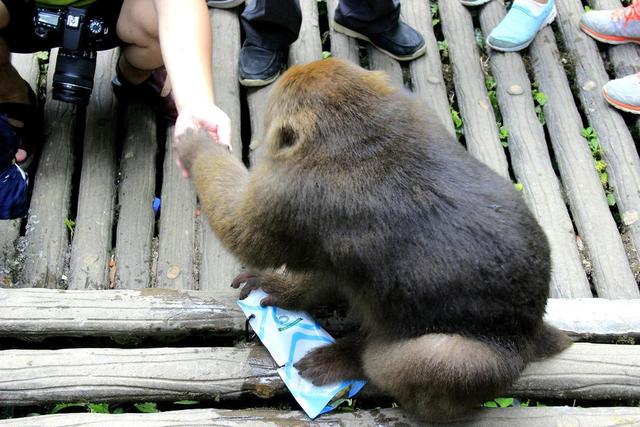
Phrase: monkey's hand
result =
(282, 292)
(193, 144)
(331, 363)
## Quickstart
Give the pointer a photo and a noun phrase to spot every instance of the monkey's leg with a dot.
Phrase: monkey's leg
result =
(339, 361)
(437, 376)
(289, 290)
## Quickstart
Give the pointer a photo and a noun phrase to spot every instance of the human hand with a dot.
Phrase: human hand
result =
(208, 117)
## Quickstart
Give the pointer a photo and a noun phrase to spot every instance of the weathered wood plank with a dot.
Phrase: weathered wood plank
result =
(595, 318)
(583, 371)
(619, 150)
(92, 238)
(218, 267)
(505, 417)
(136, 192)
(257, 103)
(532, 164)
(480, 130)
(175, 267)
(426, 71)
(308, 46)
(383, 62)
(46, 237)
(157, 312)
(27, 66)
(342, 46)
(612, 274)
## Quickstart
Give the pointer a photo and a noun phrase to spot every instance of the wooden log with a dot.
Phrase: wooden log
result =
(29, 377)
(611, 274)
(383, 62)
(177, 236)
(118, 313)
(257, 103)
(619, 151)
(595, 319)
(136, 220)
(218, 267)
(27, 66)
(504, 417)
(46, 237)
(92, 238)
(342, 46)
(426, 72)
(479, 120)
(161, 312)
(532, 164)
(308, 46)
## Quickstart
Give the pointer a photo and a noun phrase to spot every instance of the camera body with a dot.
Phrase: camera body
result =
(79, 35)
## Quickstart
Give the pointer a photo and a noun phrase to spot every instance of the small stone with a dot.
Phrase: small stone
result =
(483, 104)
(433, 80)
(515, 90)
(630, 217)
(173, 272)
(589, 86)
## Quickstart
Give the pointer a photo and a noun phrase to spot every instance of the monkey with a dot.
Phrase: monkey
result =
(368, 200)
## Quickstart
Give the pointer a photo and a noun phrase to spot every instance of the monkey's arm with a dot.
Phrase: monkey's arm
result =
(223, 186)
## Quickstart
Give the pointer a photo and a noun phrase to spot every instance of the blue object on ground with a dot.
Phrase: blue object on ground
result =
(289, 335)
(13, 192)
(156, 204)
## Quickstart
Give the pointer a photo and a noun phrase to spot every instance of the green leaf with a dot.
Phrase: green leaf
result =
(504, 402)
(540, 97)
(604, 178)
(490, 404)
(186, 402)
(519, 186)
(611, 199)
(118, 411)
(326, 54)
(457, 120)
(147, 407)
(601, 165)
(98, 408)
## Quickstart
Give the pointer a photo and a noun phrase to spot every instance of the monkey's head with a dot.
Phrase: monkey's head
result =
(321, 109)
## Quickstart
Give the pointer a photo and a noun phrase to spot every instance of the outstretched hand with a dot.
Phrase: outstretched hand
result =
(208, 117)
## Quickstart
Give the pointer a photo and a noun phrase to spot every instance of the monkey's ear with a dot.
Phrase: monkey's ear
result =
(287, 136)
(286, 133)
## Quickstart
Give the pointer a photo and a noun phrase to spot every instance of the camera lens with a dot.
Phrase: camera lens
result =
(73, 77)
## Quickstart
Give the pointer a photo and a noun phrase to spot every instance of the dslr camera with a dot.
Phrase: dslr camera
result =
(79, 35)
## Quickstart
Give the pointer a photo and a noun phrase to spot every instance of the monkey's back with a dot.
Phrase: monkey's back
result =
(429, 238)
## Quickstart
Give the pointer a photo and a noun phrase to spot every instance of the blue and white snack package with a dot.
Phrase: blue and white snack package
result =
(289, 335)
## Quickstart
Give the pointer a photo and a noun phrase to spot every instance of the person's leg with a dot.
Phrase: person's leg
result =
(378, 22)
(369, 16)
(521, 24)
(12, 87)
(139, 73)
(270, 26)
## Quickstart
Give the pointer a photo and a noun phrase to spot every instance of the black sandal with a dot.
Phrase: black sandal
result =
(29, 135)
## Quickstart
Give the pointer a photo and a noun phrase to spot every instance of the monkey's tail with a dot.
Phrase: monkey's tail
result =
(550, 341)
(438, 376)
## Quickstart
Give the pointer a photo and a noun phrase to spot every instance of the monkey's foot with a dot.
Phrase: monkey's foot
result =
(329, 364)
(276, 285)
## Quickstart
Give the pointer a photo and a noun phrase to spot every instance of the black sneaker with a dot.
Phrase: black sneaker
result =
(402, 42)
(260, 66)
(224, 4)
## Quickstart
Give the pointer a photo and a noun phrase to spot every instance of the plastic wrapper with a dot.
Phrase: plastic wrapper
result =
(288, 336)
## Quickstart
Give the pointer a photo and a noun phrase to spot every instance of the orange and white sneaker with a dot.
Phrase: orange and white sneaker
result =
(624, 93)
(615, 26)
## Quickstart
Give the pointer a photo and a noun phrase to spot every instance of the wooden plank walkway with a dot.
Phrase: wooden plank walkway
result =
(92, 228)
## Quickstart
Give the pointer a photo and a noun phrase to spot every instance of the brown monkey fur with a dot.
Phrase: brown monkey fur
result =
(366, 198)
